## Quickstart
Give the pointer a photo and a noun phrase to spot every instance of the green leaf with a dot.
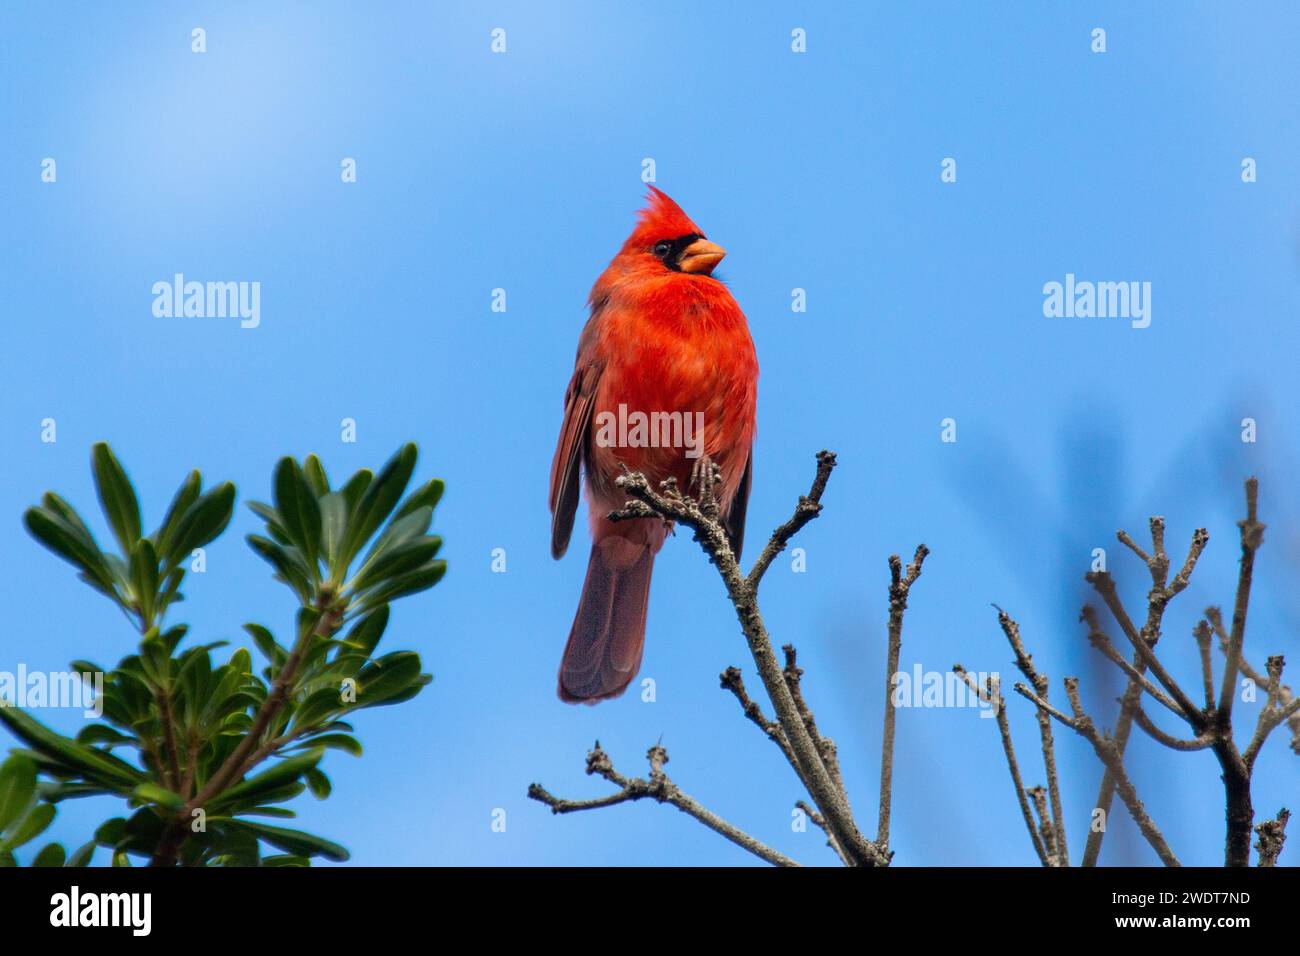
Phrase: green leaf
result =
(169, 595)
(334, 524)
(289, 567)
(417, 685)
(155, 659)
(61, 509)
(116, 496)
(294, 841)
(279, 795)
(202, 522)
(17, 787)
(281, 812)
(285, 859)
(193, 679)
(152, 793)
(365, 634)
(426, 496)
(32, 826)
(173, 636)
(241, 661)
(297, 504)
(104, 734)
(185, 496)
(278, 775)
(144, 577)
(336, 742)
(378, 501)
(356, 487)
(95, 765)
(52, 792)
(314, 472)
(82, 855)
(405, 584)
(399, 531)
(386, 677)
(55, 533)
(52, 855)
(397, 561)
(142, 832)
(274, 523)
(318, 705)
(267, 644)
(111, 832)
(318, 783)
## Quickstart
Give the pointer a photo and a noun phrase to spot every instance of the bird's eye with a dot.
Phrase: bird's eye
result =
(662, 248)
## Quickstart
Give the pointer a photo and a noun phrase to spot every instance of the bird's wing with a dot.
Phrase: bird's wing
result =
(578, 403)
(739, 504)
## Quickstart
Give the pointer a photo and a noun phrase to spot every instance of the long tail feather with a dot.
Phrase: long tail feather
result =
(604, 649)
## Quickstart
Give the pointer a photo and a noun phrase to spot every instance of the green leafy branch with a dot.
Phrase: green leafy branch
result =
(194, 732)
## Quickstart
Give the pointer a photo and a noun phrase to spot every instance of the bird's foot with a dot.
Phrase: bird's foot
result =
(706, 474)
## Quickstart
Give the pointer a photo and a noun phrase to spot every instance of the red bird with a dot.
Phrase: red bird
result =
(666, 373)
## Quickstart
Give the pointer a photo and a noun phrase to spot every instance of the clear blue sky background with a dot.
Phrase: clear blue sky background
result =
(818, 171)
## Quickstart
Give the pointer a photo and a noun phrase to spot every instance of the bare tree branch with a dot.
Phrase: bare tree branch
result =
(793, 674)
(1040, 683)
(992, 695)
(1046, 831)
(900, 585)
(731, 680)
(701, 516)
(1108, 753)
(1170, 741)
(1157, 600)
(809, 507)
(658, 787)
(1202, 633)
(1143, 644)
(1273, 713)
(1252, 536)
(1285, 695)
(1098, 638)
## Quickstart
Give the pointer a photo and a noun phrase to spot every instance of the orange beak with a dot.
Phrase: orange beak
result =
(701, 256)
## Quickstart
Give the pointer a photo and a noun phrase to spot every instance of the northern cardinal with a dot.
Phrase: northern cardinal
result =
(667, 340)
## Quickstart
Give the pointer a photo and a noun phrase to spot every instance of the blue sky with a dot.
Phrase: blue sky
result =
(818, 171)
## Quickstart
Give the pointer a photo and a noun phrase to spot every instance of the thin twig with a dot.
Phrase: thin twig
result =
(1285, 695)
(809, 507)
(900, 585)
(1109, 755)
(1098, 638)
(731, 680)
(820, 822)
(1046, 831)
(1203, 635)
(992, 695)
(793, 674)
(1025, 662)
(1252, 536)
(658, 787)
(1170, 741)
(1143, 645)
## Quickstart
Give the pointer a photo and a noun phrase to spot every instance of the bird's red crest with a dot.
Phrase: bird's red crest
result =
(661, 218)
